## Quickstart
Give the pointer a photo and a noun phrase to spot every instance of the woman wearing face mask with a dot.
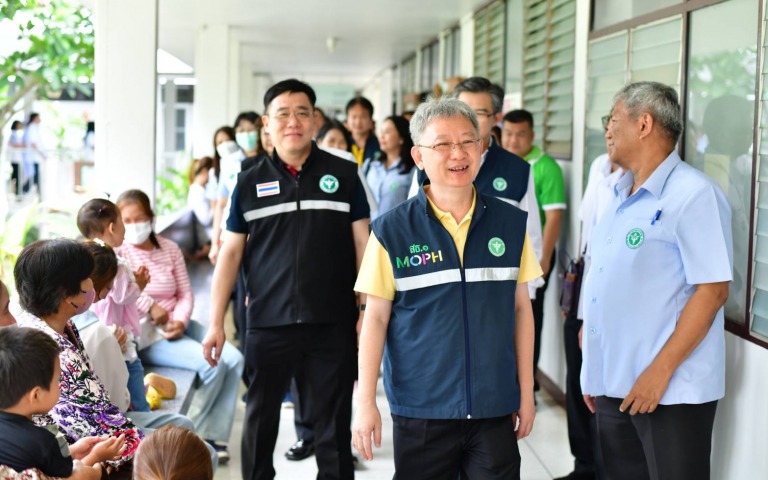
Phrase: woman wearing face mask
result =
(168, 337)
(53, 283)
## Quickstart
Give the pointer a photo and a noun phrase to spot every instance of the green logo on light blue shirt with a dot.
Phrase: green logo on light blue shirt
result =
(496, 246)
(329, 184)
(635, 238)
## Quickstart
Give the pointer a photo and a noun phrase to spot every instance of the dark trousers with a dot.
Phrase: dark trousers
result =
(16, 177)
(537, 305)
(302, 405)
(582, 426)
(481, 449)
(239, 315)
(672, 443)
(320, 357)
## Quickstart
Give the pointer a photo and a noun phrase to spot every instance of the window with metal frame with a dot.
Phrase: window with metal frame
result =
(489, 42)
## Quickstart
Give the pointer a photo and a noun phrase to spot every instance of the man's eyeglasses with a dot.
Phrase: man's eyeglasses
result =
(606, 120)
(284, 115)
(450, 147)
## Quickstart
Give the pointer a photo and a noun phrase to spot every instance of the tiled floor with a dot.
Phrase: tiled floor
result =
(545, 453)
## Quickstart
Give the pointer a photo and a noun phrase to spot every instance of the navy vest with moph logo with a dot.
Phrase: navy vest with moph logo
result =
(300, 257)
(450, 349)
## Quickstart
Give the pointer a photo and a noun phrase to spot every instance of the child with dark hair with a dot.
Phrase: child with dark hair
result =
(29, 385)
(100, 220)
(53, 284)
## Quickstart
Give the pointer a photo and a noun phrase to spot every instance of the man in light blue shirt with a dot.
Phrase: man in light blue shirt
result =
(653, 339)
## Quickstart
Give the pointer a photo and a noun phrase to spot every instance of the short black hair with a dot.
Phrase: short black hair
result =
(519, 116)
(363, 102)
(95, 216)
(47, 271)
(482, 85)
(292, 86)
(104, 264)
(251, 116)
(27, 360)
(16, 125)
(32, 117)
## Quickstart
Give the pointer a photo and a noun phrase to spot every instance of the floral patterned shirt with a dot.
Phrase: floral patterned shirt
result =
(84, 408)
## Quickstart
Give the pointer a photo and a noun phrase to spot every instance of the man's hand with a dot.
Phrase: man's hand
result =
(81, 448)
(142, 277)
(158, 315)
(647, 391)
(590, 401)
(213, 343)
(213, 253)
(525, 416)
(367, 422)
(581, 334)
(174, 330)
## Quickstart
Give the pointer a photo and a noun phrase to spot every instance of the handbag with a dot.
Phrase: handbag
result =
(571, 286)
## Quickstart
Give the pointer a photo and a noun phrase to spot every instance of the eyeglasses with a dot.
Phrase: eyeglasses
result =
(284, 115)
(484, 114)
(450, 147)
(606, 120)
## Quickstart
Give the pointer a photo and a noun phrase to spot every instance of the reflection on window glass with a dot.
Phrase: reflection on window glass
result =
(718, 130)
(610, 12)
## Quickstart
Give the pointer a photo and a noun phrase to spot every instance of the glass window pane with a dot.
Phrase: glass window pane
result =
(719, 120)
(609, 12)
(655, 53)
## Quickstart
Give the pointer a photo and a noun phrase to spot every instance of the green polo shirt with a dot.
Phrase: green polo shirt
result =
(548, 182)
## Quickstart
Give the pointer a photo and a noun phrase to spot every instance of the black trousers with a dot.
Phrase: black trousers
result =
(239, 314)
(582, 425)
(481, 449)
(302, 404)
(672, 443)
(537, 305)
(320, 357)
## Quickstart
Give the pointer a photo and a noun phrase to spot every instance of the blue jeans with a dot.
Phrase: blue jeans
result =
(213, 406)
(136, 386)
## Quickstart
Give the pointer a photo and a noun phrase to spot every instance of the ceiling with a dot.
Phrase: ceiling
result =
(288, 37)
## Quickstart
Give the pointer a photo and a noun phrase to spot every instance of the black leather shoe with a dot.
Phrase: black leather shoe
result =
(300, 450)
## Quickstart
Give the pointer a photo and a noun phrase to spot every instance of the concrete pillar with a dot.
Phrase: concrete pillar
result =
(125, 90)
(467, 23)
(169, 117)
(212, 71)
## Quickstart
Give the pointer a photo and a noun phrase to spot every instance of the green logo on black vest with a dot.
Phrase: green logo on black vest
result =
(329, 184)
(499, 184)
(496, 246)
(635, 238)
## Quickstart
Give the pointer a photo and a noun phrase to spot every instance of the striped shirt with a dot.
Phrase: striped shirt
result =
(169, 281)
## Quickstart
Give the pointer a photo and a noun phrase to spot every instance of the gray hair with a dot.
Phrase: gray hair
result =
(482, 85)
(435, 108)
(659, 100)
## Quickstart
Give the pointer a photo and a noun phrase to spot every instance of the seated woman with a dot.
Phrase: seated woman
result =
(389, 174)
(168, 337)
(53, 285)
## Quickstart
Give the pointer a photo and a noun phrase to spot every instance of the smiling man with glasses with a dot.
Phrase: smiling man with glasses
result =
(445, 275)
(299, 223)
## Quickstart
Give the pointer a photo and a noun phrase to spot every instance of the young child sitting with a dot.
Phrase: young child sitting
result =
(29, 385)
(100, 220)
(172, 453)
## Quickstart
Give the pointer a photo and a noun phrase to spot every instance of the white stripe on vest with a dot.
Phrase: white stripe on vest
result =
(324, 205)
(269, 211)
(491, 274)
(427, 280)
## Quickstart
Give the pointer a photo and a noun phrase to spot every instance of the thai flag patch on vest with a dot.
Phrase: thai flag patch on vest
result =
(267, 189)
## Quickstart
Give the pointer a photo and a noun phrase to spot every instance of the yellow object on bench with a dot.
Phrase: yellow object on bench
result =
(153, 398)
(164, 386)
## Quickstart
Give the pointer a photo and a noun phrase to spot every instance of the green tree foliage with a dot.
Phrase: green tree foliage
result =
(55, 51)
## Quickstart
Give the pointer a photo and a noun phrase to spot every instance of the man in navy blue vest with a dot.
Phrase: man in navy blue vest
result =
(299, 222)
(502, 174)
(445, 275)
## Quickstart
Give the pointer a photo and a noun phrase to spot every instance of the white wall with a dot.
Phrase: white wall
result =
(741, 425)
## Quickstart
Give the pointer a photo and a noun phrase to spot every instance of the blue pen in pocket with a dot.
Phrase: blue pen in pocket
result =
(656, 217)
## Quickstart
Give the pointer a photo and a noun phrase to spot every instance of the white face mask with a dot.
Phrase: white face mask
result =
(226, 148)
(137, 233)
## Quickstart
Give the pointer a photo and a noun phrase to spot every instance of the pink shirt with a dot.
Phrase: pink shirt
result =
(119, 308)
(169, 281)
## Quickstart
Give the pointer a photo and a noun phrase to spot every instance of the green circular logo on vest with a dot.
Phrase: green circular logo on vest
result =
(635, 238)
(329, 184)
(499, 184)
(496, 246)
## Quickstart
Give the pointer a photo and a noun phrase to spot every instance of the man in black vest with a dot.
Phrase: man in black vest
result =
(299, 223)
